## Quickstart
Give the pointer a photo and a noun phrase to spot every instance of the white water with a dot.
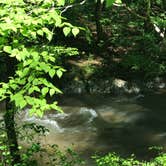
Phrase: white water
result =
(91, 112)
(57, 121)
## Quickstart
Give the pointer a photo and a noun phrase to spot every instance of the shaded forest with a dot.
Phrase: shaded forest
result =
(46, 45)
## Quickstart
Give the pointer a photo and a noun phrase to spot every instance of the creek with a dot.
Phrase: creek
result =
(103, 123)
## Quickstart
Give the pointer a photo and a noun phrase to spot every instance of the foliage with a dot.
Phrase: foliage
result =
(131, 31)
(112, 159)
(67, 158)
(24, 27)
(55, 158)
(4, 151)
(51, 154)
(31, 61)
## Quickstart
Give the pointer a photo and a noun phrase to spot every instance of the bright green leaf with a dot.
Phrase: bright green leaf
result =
(61, 2)
(44, 91)
(75, 31)
(7, 49)
(59, 73)
(39, 113)
(40, 32)
(52, 92)
(118, 1)
(66, 30)
(23, 103)
(51, 73)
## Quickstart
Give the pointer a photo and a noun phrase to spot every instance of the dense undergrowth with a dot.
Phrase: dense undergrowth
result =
(35, 155)
(113, 159)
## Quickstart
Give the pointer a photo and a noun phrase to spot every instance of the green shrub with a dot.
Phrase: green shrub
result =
(112, 159)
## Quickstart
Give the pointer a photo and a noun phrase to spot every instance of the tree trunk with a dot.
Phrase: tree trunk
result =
(9, 117)
(11, 133)
(147, 23)
(98, 11)
(164, 4)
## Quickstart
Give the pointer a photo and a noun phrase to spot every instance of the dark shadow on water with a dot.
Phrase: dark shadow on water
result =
(144, 133)
(133, 137)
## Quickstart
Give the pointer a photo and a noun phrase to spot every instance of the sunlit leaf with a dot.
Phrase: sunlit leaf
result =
(7, 49)
(59, 73)
(66, 30)
(23, 103)
(75, 31)
(51, 73)
(44, 91)
(40, 32)
(52, 92)
(61, 2)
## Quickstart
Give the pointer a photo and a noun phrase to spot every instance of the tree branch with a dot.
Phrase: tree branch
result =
(72, 5)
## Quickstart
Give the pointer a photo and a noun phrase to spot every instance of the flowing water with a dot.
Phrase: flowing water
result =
(103, 123)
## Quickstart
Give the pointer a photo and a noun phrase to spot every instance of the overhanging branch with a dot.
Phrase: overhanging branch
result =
(72, 5)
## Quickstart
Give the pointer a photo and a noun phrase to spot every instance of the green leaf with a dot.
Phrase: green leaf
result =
(30, 90)
(57, 108)
(36, 89)
(75, 31)
(109, 3)
(59, 73)
(66, 30)
(39, 113)
(44, 66)
(44, 91)
(7, 49)
(52, 92)
(58, 22)
(18, 57)
(49, 36)
(44, 53)
(118, 1)
(52, 73)
(61, 2)
(29, 100)
(40, 32)
(23, 103)
(17, 98)
(35, 55)
(52, 59)
(14, 86)
(58, 90)
(48, 33)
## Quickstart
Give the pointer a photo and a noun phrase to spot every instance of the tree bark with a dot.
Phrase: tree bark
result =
(9, 117)
(98, 10)
(147, 23)
(164, 4)
(11, 133)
